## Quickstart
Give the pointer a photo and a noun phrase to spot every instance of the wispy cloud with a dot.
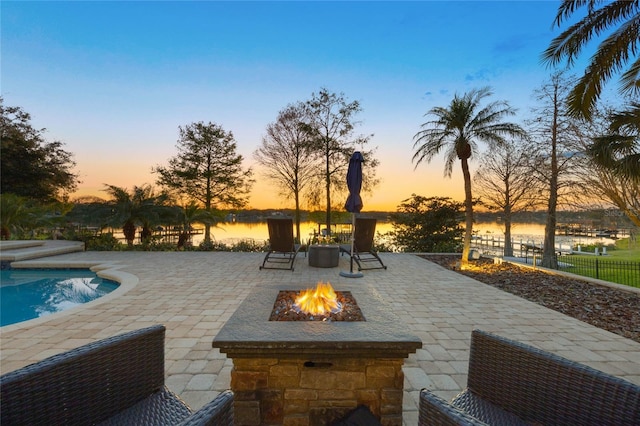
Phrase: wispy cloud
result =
(440, 92)
(483, 74)
(513, 44)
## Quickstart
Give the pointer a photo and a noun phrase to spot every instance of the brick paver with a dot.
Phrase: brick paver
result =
(194, 293)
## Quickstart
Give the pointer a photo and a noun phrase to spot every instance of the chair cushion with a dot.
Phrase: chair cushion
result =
(161, 408)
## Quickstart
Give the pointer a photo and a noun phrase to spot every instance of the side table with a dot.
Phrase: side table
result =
(324, 256)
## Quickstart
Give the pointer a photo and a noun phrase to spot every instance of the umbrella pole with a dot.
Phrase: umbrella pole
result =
(351, 274)
(353, 237)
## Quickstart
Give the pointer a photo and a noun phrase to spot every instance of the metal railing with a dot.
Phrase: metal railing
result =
(621, 272)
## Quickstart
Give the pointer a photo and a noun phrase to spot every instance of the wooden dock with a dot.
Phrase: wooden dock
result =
(571, 230)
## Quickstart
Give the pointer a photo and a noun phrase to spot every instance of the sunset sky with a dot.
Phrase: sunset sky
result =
(114, 80)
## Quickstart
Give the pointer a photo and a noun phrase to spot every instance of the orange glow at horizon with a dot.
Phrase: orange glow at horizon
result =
(398, 182)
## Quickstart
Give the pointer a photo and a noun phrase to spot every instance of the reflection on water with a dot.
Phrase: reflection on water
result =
(230, 233)
(233, 232)
(27, 294)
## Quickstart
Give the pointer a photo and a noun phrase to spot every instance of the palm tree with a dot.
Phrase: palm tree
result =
(142, 207)
(192, 213)
(619, 149)
(456, 129)
(620, 19)
(23, 217)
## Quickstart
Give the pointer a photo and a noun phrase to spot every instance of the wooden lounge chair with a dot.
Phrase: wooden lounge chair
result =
(510, 383)
(282, 247)
(363, 252)
(118, 380)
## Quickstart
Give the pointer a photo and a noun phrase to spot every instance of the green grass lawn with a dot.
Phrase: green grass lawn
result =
(621, 252)
(621, 265)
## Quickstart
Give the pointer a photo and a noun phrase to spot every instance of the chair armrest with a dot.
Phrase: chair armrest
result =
(218, 412)
(88, 384)
(435, 411)
(541, 387)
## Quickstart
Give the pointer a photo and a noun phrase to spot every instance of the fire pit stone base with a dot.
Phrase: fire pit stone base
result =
(297, 391)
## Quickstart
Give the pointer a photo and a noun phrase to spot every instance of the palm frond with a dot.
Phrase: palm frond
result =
(627, 120)
(449, 160)
(630, 79)
(613, 53)
(568, 8)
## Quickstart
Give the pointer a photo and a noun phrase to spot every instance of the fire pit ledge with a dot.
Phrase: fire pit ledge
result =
(249, 333)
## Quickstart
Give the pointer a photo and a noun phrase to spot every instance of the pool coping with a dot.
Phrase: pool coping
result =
(20, 250)
(106, 270)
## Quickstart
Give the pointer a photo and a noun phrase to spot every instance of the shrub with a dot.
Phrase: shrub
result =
(102, 242)
(428, 225)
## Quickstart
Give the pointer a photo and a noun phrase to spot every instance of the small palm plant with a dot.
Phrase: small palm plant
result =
(190, 214)
(140, 207)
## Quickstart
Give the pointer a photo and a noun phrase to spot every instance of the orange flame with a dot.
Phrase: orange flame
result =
(319, 301)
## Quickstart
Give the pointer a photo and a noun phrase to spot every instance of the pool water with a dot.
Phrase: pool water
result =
(32, 293)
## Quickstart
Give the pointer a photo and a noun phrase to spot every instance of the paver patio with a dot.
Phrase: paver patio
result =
(194, 293)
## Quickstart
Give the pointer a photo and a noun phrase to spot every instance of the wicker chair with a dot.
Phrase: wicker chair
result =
(510, 383)
(119, 380)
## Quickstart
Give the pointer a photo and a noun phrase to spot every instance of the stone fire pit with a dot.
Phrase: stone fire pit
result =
(312, 372)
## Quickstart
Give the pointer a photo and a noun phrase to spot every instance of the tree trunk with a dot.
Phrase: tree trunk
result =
(548, 255)
(328, 189)
(129, 231)
(549, 247)
(468, 203)
(207, 234)
(207, 201)
(297, 216)
(146, 233)
(182, 239)
(508, 246)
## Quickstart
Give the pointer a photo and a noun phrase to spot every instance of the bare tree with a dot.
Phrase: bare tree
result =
(557, 140)
(505, 182)
(329, 121)
(286, 155)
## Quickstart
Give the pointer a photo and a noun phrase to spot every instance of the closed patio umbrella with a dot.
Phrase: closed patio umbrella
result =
(354, 201)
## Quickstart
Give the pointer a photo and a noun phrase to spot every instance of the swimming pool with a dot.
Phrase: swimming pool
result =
(32, 293)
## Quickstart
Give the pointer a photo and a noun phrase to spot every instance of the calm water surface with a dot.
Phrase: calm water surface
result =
(32, 293)
(533, 232)
(234, 231)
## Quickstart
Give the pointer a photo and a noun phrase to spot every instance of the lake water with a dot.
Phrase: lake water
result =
(233, 232)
